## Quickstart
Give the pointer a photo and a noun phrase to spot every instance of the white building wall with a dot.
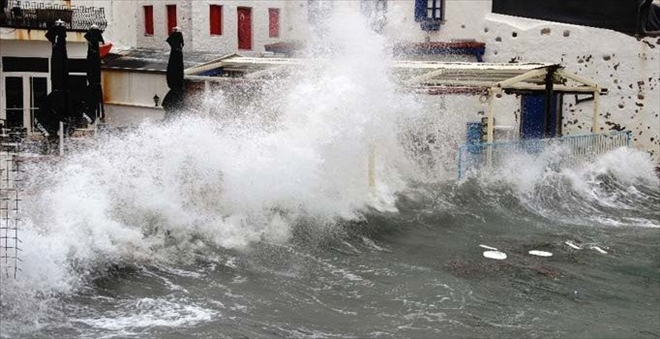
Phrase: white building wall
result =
(629, 68)
(462, 21)
(133, 88)
(129, 96)
(193, 19)
(123, 20)
(123, 116)
(41, 49)
(295, 20)
(228, 41)
(157, 40)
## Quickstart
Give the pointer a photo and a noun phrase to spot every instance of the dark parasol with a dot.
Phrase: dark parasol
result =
(56, 106)
(175, 99)
(94, 92)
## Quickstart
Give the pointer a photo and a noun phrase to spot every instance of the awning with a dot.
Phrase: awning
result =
(418, 74)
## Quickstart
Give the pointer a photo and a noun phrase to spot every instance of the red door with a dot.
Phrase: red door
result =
(244, 28)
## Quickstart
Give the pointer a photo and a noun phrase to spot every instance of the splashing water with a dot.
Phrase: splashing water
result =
(165, 191)
(250, 170)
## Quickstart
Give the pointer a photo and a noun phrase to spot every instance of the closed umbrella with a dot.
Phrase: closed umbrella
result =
(56, 106)
(94, 95)
(175, 99)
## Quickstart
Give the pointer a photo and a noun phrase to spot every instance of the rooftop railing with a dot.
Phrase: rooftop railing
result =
(39, 15)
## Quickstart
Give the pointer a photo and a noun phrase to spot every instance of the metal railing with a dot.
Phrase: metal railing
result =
(38, 15)
(572, 148)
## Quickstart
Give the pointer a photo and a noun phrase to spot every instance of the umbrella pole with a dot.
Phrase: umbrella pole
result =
(61, 133)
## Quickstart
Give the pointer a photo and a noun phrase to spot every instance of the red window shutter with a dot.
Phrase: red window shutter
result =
(171, 18)
(149, 20)
(274, 22)
(215, 19)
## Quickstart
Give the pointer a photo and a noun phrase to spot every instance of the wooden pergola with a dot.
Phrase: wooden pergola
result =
(429, 77)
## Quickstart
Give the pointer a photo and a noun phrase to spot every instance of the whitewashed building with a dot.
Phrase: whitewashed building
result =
(134, 76)
(621, 57)
(623, 61)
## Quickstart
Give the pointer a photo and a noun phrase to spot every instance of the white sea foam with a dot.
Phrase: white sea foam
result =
(149, 313)
(230, 173)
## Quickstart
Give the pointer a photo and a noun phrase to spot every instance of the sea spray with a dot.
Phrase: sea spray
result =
(220, 177)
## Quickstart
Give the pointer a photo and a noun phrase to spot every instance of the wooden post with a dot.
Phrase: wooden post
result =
(594, 118)
(491, 120)
(549, 98)
(61, 134)
(372, 167)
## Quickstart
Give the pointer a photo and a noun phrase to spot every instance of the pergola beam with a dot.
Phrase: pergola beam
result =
(577, 78)
(522, 77)
(423, 77)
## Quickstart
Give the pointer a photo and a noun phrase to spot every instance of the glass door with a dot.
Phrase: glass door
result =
(38, 92)
(14, 107)
(23, 94)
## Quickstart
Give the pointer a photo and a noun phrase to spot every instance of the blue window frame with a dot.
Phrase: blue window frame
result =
(429, 13)
(429, 9)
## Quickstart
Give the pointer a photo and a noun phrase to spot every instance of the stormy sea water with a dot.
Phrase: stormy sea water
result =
(255, 218)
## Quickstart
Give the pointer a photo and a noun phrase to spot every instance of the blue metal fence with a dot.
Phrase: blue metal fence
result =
(473, 156)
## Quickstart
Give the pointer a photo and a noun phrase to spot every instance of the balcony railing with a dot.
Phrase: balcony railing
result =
(38, 15)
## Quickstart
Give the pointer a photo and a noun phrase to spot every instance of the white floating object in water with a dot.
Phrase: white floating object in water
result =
(602, 251)
(540, 253)
(573, 245)
(497, 255)
(488, 247)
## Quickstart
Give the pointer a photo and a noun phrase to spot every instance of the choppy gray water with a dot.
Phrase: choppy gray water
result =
(417, 272)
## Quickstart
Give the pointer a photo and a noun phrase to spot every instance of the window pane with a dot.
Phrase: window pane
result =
(38, 91)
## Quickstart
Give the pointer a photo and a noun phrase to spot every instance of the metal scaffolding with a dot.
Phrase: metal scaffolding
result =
(10, 222)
